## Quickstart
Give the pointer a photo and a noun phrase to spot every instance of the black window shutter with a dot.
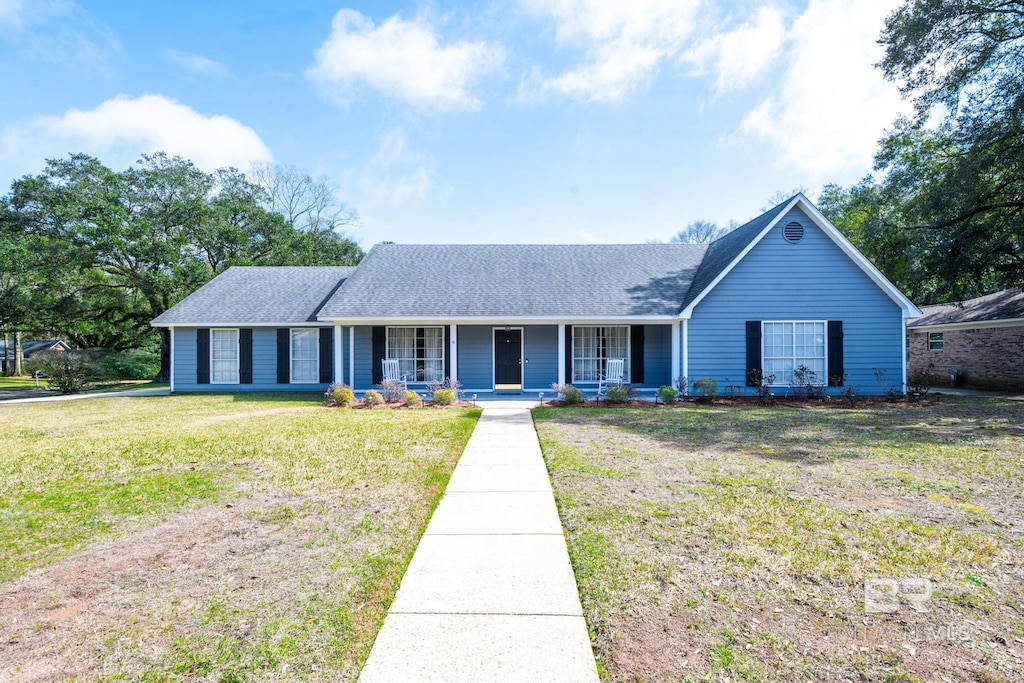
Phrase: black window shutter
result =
(245, 355)
(568, 354)
(444, 352)
(835, 369)
(203, 356)
(636, 354)
(379, 346)
(753, 349)
(284, 340)
(326, 355)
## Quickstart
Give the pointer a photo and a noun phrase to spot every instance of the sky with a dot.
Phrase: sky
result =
(514, 121)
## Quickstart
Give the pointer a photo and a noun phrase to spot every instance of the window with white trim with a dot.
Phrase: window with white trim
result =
(935, 341)
(224, 356)
(419, 352)
(305, 353)
(788, 345)
(593, 346)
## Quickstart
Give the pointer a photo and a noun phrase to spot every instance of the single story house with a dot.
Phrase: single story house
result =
(981, 341)
(782, 291)
(29, 348)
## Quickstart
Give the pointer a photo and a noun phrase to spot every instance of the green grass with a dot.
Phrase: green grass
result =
(738, 539)
(20, 383)
(315, 511)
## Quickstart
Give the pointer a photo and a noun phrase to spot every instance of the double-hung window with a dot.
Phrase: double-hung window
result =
(224, 356)
(935, 341)
(788, 345)
(419, 352)
(305, 356)
(593, 346)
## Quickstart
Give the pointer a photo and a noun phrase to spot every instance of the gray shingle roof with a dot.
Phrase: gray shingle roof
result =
(29, 347)
(726, 248)
(259, 294)
(1005, 305)
(518, 280)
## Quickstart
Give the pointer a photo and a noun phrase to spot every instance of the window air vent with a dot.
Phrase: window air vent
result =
(793, 232)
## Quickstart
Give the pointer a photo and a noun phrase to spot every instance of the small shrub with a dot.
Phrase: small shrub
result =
(568, 394)
(850, 393)
(392, 391)
(762, 384)
(68, 371)
(683, 385)
(707, 388)
(805, 383)
(920, 383)
(411, 398)
(448, 383)
(668, 395)
(373, 398)
(617, 394)
(338, 394)
(443, 397)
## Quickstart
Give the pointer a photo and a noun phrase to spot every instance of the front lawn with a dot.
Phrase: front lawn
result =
(221, 537)
(715, 543)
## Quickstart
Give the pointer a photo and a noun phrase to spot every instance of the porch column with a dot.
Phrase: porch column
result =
(454, 351)
(171, 330)
(339, 371)
(686, 347)
(352, 356)
(675, 351)
(561, 354)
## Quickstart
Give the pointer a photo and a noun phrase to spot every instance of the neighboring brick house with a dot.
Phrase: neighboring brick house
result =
(981, 339)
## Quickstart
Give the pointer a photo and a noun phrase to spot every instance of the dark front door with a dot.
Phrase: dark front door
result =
(508, 359)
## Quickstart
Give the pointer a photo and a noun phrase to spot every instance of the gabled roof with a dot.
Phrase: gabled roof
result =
(1007, 305)
(253, 295)
(518, 280)
(725, 253)
(33, 346)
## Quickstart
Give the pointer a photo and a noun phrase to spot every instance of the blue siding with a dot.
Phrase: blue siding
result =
(657, 356)
(540, 348)
(363, 358)
(264, 364)
(476, 357)
(811, 280)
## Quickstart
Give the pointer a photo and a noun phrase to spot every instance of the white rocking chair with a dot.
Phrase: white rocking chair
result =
(393, 373)
(612, 376)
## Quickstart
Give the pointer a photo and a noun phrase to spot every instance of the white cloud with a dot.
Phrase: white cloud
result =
(198, 65)
(120, 129)
(59, 32)
(739, 55)
(397, 173)
(10, 11)
(831, 105)
(624, 44)
(401, 59)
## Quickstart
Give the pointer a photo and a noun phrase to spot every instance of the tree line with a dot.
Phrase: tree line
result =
(92, 255)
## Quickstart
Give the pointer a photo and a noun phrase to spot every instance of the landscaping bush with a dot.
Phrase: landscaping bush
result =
(340, 394)
(411, 398)
(443, 397)
(617, 394)
(68, 371)
(373, 398)
(805, 383)
(392, 391)
(568, 394)
(130, 364)
(921, 382)
(762, 384)
(667, 394)
(448, 383)
(707, 388)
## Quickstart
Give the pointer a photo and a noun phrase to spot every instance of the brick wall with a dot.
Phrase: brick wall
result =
(989, 358)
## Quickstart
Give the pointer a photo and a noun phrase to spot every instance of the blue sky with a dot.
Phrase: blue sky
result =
(552, 121)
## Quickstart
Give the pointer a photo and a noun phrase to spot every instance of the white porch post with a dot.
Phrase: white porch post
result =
(686, 347)
(903, 351)
(352, 356)
(339, 372)
(675, 352)
(561, 354)
(171, 378)
(454, 351)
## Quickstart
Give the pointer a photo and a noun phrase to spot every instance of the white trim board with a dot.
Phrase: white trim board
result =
(235, 323)
(909, 309)
(978, 325)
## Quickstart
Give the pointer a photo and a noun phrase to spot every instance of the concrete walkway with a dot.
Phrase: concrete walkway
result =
(489, 594)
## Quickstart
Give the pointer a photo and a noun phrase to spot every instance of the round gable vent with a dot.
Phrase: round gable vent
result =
(793, 232)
